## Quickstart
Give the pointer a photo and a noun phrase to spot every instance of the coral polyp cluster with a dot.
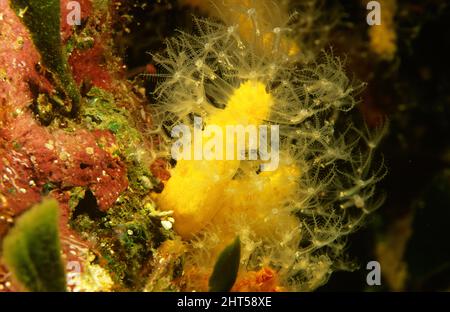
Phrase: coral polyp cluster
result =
(292, 221)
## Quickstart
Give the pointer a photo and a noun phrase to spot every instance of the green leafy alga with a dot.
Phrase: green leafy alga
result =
(42, 18)
(31, 249)
(226, 268)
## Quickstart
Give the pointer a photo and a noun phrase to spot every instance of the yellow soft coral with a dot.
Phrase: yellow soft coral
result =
(267, 11)
(195, 190)
(259, 196)
(383, 38)
(202, 192)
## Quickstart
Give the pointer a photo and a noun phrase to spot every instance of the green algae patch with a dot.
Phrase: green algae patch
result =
(32, 249)
(101, 113)
(127, 237)
(42, 18)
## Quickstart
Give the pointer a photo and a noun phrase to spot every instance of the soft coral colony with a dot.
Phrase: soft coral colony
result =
(162, 225)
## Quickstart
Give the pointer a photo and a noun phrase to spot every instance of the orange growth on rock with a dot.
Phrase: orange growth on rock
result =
(264, 280)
